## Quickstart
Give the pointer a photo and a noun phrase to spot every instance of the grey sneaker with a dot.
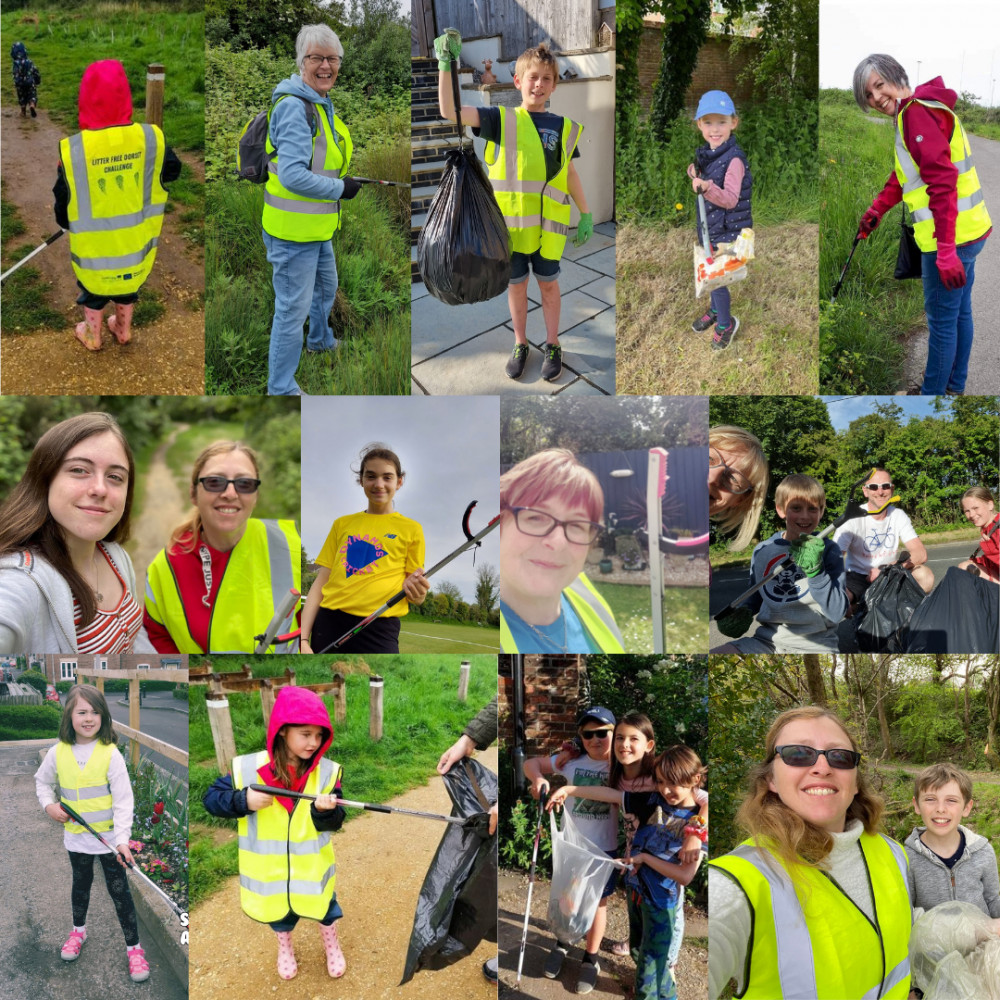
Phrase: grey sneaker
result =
(588, 977)
(721, 339)
(517, 360)
(554, 963)
(490, 971)
(552, 365)
(701, 325)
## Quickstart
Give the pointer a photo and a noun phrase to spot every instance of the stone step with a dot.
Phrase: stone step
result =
(437, 129)
(425, 113)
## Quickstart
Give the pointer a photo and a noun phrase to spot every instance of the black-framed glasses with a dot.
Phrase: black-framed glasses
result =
(878, 486)
(595, 734)
(537, 523)
(731, 481)
(218, 484)
(319, 60)
(797, 755)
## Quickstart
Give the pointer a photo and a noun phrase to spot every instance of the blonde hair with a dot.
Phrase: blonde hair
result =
(978, 493)
(746, 514)
(773, 825)
(540, 54)
(554, 472)
(799, 487)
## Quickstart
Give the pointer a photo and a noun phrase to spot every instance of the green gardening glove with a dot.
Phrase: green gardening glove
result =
(447, 48)
(734, 622)
(585, 229)
(807, 554)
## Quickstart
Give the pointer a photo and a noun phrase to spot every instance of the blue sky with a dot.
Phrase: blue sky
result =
(844, 409)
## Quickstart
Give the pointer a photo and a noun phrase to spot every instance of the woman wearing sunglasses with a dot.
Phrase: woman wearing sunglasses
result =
(815, 902)
(223, 574)
(737, 482)
(552, 509)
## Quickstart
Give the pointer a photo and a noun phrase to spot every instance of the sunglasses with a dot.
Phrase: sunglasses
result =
(879, 486)
(796, 755)
(595, 734)
(218, 484)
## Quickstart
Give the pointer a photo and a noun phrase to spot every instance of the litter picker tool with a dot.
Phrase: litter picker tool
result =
(134, 868)
(847, 264)
(370, 806)
(471, 541)
(370, 180)
(531, 883)
(972, 567)
(706, 242)
(24, 260)
(281, 615)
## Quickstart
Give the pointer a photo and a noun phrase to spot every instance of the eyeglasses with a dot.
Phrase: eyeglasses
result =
(731, 481)
(319, 60)
(539, 524)
(595, 734)
(878, 486)
(218, 484)
(796, 755)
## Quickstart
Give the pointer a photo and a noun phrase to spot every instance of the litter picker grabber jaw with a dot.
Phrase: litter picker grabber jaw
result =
(24, 260)
(134, 868)
(847, 264)
(706, 241)
(531, 883)
(472, 541)
(281, 615)
(370, 180)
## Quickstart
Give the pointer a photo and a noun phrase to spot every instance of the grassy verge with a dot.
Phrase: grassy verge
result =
(685, 617)
(420, 635)
(421, 717)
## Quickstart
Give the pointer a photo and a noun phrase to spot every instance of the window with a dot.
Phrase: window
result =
(67, 670)
(100, 663)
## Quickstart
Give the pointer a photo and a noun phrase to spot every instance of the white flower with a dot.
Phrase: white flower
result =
(643, 675)
(680, 728)
(650, 697)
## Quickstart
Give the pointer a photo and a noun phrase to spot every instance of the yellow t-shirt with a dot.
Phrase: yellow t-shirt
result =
(369, 556)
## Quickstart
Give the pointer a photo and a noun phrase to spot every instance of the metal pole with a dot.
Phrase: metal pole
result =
(656, 484)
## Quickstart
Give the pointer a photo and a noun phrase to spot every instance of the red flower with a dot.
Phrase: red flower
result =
(155, 819)
(158, 809)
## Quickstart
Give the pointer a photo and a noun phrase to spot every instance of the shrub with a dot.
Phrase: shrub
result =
(35, 679)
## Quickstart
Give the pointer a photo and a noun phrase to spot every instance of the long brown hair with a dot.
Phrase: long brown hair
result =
(771, 824)
(25, 519)
(283, 761)
(93, 697)
(184, 538)
(640, 721)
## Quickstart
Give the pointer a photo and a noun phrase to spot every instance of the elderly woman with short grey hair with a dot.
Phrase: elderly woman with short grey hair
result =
(310, 150)
(934, 176)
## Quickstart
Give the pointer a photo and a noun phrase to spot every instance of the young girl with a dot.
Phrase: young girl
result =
(297, 880)
(979, 507)
(93, 780)
(367, 558)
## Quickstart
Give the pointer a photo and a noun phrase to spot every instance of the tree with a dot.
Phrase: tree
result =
(684, 27)
(487, 588)
(450, 592)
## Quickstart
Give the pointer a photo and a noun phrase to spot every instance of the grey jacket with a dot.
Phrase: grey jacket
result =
(36, 604)
(973, 879)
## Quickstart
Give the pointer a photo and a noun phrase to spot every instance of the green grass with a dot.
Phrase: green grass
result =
(423, 635)
(422, 716)
(685, 617)
(985, 817)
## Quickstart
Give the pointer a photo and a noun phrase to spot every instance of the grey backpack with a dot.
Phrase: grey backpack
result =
(252, 157)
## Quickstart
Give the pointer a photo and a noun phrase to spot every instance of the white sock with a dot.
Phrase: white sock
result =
(81, 930)
(132, 947)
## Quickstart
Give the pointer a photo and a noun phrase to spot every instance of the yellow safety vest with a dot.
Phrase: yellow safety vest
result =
(973, 220)
(116, 204)
(286, 864)
(593, 612)
(291, 216)
(811, 940)
(86, 790)
(265, 564)
(536, 210)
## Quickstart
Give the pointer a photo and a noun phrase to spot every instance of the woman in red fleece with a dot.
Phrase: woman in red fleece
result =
(936, 178)
(287, 864)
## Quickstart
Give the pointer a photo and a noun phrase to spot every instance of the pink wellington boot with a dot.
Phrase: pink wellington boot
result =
(336, 964)
(121, 323)
(287, 966)
(89, 331)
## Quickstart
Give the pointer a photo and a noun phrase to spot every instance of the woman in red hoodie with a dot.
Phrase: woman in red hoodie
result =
(287, 864)
(935, 176)
(110, 196)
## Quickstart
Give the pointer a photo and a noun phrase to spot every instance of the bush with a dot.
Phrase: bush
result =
(29, 722)
(35, 679)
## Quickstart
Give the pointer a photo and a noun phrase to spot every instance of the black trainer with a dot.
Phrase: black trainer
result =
(706, 321)
(517, 360)
(588, 977)
(552, 365)
(554, 963)
(721, 339)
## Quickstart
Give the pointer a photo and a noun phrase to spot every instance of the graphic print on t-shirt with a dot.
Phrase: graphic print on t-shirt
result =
(549, 137)
(360, 553)
(880, 541)
(788, 585)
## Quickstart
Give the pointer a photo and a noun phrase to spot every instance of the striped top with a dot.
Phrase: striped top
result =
(111, 631)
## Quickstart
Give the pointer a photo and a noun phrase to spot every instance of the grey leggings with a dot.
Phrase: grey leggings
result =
(114, 877)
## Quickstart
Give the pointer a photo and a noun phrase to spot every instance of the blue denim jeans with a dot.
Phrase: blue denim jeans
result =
(949, 322)
(305, 284)
(288, 922)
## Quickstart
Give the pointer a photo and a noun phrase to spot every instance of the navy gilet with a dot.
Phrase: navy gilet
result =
(724, 224)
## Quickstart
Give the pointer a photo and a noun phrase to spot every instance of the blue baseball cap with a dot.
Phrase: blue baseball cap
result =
(715, 102)
(598, 714)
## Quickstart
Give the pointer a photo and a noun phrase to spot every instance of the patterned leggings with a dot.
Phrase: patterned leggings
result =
(651, 931)
(114, 877)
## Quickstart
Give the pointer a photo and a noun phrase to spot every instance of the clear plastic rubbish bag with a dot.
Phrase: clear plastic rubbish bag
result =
(942, 945)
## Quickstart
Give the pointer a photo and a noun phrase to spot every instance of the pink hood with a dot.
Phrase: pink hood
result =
(105, 97)
(935, 90)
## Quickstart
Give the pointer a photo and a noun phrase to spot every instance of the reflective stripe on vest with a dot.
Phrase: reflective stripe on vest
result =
(116, 205)
(536, 210)
(594, 613)
(265, 564)
(86, 790)
(291, 216)
(973, 220)
(784, 959)
(286, 864)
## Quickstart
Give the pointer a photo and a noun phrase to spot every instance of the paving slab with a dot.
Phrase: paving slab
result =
(589, 348)
(596, 242)
(603, 261)
(572, 275)
(475, 367)
(577, 307)
(418, 290)
(436, 327)
(603, 289)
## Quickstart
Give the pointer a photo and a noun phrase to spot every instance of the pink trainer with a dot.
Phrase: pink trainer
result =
(138, 967)
(71, 949)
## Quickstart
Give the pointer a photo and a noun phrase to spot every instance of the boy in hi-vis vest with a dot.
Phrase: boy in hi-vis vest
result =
(529, 152)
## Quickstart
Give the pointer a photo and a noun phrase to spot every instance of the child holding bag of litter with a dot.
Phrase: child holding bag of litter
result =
(298, 880)
(721, 176)
(94, 782)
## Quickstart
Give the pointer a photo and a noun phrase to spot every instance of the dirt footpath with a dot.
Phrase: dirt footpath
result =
(381, 864)
(164, 357)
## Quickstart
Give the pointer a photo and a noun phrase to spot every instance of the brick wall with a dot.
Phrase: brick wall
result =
(552, 692)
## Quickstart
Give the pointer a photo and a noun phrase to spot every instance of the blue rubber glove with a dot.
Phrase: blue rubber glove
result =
(447, 48)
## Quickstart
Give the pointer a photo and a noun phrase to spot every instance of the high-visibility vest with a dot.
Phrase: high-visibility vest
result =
(811, 940)
(536, 210)
(286, 864)
(265, 564)
(973, 220)
(594, 613)
(291, 216)
(86, 790)
(116, 204)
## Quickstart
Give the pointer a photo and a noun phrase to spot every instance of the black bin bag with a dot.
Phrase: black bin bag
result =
(961, 615)
(889, 603)
(464, 248)
(457, 906)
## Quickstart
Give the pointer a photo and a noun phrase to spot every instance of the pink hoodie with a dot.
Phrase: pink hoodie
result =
(105, 97)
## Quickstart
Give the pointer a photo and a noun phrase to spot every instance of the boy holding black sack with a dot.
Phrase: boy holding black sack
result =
(529, 152)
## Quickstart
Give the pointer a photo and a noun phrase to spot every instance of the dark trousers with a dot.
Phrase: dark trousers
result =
(114, 878)
(382, 636)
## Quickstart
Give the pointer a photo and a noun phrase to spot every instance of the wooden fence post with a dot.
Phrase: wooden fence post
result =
(375, 687)
(339, 698)
(222, 730)
(267, 697)
(133, 715)
(155, 77)
(463, 680)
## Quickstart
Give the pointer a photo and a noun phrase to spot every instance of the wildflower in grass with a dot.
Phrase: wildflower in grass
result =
(679, 207)
(158, 809)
